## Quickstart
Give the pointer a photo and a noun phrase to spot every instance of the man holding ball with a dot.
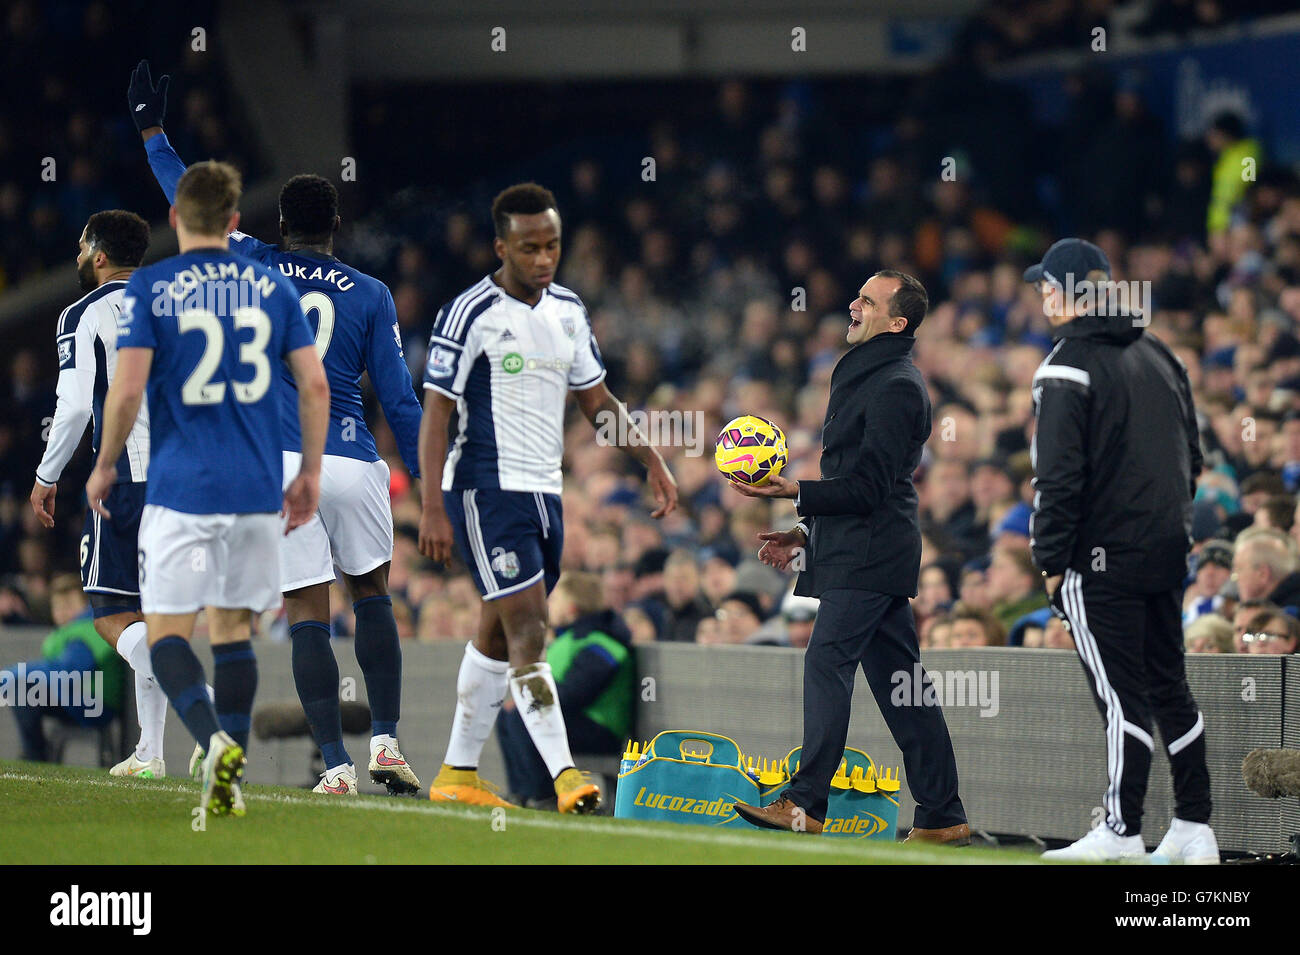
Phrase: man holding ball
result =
(863, 554)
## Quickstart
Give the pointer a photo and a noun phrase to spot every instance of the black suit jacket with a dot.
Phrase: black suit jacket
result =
(862, 514)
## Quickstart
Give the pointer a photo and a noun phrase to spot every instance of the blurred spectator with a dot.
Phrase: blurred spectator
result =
(1227, 139)
(686, 605)
(1056, 636)
(1263, 566)
(1014, 586)
(1209, 633)
(739, 617)
(595, 679)
(1271, 632)
(1213, 570)
(1242, 617)
(791, 627)
(975, 627)
(78, 679)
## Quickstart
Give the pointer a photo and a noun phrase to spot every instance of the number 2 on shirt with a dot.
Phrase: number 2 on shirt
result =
(199, 388)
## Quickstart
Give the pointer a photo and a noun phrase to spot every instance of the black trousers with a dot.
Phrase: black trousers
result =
(1131, 646)
(876, 632)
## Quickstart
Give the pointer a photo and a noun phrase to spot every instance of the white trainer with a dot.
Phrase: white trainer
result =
(140, 768)
(339, 781)
(196, 763)
(1102, 844)
(388, 767)
(1187, 843)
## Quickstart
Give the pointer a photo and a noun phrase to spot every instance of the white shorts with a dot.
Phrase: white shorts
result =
(192, 561)
(353, 526)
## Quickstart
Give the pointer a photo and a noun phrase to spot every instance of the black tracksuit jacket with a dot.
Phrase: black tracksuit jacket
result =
(1116, 454)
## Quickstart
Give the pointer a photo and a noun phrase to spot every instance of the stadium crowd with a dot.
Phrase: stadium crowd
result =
(721, 288)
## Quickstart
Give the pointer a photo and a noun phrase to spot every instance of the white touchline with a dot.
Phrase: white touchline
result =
(619, 827)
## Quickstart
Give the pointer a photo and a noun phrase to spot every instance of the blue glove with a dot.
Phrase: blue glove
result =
(148, 103)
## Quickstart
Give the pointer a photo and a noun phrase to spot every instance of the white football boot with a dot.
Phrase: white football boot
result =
(388, 767)
(1100, 845)
(1187, 843)
(140, 768)
(223, 767)
(339, 781)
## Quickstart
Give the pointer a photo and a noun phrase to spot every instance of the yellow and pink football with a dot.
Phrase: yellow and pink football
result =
(750, 450)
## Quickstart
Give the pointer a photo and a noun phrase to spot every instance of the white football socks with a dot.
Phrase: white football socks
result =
(150, 700)
(480, 688)
(533, 688)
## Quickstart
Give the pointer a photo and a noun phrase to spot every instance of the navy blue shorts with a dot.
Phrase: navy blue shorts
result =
(110, 560)
(509, 539)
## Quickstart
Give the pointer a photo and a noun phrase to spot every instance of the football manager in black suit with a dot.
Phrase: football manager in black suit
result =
(860, 545)
(1117, 454)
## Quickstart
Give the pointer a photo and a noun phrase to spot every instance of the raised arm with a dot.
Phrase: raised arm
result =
(148, 104)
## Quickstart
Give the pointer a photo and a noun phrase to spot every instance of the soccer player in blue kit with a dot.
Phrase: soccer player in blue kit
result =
(204, 332)
(356, 331)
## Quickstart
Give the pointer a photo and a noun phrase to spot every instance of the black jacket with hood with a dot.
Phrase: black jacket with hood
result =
(1117, 454)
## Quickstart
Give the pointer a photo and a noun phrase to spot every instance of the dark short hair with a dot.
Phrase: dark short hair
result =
(910, 300)
(1230, 125)
(309, 205)
(122, 236)
(522, 199)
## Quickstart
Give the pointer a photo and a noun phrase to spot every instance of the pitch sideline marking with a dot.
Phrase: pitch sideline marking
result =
(518, 817)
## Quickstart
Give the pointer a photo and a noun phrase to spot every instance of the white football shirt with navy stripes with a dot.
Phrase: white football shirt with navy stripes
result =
(87, 342)
(510, 366)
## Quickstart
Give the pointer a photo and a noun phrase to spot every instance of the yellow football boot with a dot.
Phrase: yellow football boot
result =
(576, 793)
(466, 787)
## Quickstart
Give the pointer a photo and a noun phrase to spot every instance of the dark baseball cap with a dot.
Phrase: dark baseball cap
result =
(1216, 552)
(1066, 257)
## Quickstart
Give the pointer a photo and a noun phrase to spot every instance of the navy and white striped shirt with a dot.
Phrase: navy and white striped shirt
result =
(509, 367)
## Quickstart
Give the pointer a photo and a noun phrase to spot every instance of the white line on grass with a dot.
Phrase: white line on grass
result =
(537, 820)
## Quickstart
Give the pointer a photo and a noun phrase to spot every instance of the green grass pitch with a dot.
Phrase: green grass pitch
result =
(71, 816)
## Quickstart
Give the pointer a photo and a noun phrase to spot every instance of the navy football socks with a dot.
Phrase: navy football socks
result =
(379, 653)
(180, 675)
(234, 682)
(316, 674)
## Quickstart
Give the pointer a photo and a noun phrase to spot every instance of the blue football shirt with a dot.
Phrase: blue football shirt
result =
(220, 326)
(355, 324)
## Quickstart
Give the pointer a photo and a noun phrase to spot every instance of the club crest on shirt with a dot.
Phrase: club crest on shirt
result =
(505, 563)
(566, 322)
(441, 361)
